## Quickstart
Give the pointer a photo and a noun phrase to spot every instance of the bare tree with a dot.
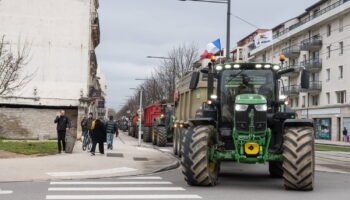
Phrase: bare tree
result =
(160, 86)
(11, 68)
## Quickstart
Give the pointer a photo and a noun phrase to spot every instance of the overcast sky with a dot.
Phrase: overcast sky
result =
(134, 29)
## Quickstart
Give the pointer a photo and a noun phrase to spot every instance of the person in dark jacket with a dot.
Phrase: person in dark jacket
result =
(63, 124)
(111, 129)
(83, 124)
(345, 134)
(98, 136)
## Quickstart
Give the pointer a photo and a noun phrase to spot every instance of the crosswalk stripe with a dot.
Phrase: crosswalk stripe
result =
(118, 189)
(6, 192)
(93, 172)
(142, 178)
(114, 183)
(97, 197)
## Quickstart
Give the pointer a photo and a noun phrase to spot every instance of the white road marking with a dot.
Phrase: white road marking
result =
(118, 189)
(165, 150)
(189, 196)
(93, 172)
(113, 183)
(6, 191)
(142, 178)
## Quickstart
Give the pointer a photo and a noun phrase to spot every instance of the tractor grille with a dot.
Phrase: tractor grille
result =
(242, 120)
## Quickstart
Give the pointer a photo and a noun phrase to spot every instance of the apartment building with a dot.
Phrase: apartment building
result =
(317, 40)
(62, 36)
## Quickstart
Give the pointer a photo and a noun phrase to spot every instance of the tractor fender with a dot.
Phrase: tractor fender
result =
(202, 121)
(298, 122)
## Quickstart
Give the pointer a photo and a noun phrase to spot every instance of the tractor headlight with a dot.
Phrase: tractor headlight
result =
(162, 115)
(241, 107)
(261, 107)
(218, 68)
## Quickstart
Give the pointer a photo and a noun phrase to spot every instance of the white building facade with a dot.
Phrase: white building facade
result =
(317, 40)
(62, 36)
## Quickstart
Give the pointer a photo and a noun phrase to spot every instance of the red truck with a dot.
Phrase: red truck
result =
(150, 114)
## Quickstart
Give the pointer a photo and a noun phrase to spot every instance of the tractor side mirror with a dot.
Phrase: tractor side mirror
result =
(305, 77)
(194, 80)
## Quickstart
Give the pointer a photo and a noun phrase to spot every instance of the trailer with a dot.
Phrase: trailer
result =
(151, 112)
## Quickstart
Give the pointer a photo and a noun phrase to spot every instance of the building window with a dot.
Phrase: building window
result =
(341, 48)
(314, 99)
(340, 72)
(328, 98)
(328, 74)
(341, 97)
(328, 51)
(329, 30)
(303, 102)
(341, 24)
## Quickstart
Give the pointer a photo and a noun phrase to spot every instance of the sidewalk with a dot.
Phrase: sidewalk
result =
(124, 160)
(334, 143)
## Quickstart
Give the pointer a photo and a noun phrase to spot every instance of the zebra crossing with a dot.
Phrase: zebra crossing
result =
(5, 191)
(139, 187)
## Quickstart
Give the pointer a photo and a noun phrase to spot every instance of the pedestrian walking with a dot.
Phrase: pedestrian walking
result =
(345, 134)
(98, 136)
(84, 127)
(111, 129)
(89, 121)
(63, 125)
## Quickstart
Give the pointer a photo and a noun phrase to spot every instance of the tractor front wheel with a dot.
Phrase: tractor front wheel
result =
(196, 166)
(298, 158)
(147, 134)
(161, 136)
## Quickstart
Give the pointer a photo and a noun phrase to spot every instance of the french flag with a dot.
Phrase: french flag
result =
(212, 49)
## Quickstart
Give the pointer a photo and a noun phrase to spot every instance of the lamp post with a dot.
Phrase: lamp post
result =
(174, 66)
(228, 22)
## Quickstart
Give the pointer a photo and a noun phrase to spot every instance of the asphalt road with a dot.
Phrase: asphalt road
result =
(241, 181)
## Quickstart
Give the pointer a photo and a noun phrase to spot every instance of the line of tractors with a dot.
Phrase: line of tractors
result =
(234, 112)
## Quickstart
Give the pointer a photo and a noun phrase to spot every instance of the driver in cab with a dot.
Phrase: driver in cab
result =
(245, 87)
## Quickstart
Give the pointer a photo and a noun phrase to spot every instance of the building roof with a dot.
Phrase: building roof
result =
(315, 5)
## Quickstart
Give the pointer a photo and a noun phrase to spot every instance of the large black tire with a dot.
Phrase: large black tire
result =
(154, 135)
(196, 167)
(298, 158)
(175, 141)
(275, 169)
(136, 132)
(130, 131)
(147, 134)
(162, 137)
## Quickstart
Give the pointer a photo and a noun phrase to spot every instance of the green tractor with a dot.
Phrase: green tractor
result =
(246, 121)
(164, 126)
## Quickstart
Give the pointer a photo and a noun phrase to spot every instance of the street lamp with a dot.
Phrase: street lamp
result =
(228, 2)
(174, 66)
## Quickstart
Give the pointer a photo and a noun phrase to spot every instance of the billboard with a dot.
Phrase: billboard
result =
(262, 39)
(323, 128)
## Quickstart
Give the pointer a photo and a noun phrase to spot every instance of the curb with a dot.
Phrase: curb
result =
(335, 145)
(172, 166)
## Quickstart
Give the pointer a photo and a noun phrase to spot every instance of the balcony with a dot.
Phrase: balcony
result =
(291, 52)
(314, 87)
(292, 90)
(95, 28)
(313, 65)
(311, 44)
(297, 69)
(310, 18)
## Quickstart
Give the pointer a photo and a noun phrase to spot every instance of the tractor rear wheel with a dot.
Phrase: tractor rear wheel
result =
(154, 135)
(161, 136)
(196, 166)
(298, 158)
(130, 131)
(175, 141)
(275, 169)
(147, 134)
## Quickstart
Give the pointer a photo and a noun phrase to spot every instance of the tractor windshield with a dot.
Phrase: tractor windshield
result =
(235, 82)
